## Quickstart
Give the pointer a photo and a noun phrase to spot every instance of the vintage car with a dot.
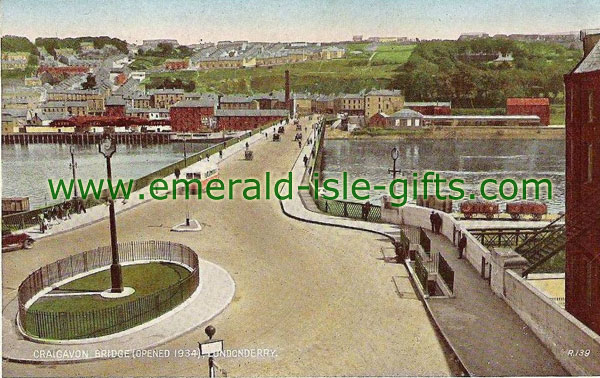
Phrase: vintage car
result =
(12, 241)
(520, 208)
(276, 137)
(486, 208)
(248, 155)
(281, 130)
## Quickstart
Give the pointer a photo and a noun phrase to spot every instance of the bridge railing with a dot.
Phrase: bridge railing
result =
(502, 237)
(339, 208)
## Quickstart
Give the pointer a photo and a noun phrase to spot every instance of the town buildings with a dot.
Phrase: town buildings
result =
(192, 115)
(383, 100)
(582, 276)
(431, 108)
(247, 119)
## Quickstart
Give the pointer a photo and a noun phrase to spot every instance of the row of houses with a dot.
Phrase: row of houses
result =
(245, 55)
(365, 104)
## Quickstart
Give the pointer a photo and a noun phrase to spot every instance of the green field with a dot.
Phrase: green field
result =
(144, 278)
(390, 53)
(348, 75)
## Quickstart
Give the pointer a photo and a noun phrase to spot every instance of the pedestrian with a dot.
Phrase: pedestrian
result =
(82, 205)
(67, 208)
(299, 144)
(266, 135)
(221, 154)
(438, 223)
(41, 222)
(305, 160)
(59, 212)
(366, 208)
(432, 219)
(462, 244)
(247, 146)
(207, 157)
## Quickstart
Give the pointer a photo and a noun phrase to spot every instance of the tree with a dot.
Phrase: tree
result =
(90, 82)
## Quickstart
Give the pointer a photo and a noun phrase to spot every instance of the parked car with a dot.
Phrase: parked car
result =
(12, 241)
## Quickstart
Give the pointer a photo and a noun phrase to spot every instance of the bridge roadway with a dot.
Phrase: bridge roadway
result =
(320, 297)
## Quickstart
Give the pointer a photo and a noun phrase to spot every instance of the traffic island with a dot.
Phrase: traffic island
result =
(213, 293)
(192, 226)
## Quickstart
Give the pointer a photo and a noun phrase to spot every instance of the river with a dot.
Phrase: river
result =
(469, 160)
(27, 168)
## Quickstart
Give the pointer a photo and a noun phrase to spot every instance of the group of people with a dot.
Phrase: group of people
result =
(60, 212)
(436, 222)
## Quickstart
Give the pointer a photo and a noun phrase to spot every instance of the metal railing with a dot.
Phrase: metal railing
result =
(421, 272)
(507, 237)
(446, 272)
(339, 208)
(87, 323)
(424, 241)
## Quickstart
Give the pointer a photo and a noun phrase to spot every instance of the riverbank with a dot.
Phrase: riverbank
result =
(456, 132)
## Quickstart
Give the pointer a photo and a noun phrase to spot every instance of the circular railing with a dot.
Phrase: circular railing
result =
(100, 322)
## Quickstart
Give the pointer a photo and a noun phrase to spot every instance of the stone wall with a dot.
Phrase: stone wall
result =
(564, 335)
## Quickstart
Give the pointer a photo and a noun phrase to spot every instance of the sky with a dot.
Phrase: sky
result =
(193, 21)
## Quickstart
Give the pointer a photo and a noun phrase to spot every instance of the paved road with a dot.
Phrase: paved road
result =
(320, 297)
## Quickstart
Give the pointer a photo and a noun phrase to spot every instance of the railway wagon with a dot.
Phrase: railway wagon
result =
(518, 209)
(485, 208)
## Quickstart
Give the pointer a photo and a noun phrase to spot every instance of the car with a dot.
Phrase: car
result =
(11, 241)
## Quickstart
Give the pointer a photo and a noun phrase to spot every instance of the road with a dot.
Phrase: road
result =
(320, 297)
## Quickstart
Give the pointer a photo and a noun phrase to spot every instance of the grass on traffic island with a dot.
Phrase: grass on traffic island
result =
(144, 278)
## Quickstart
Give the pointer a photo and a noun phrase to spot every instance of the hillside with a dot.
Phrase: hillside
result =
(365, 66)
(465, 72)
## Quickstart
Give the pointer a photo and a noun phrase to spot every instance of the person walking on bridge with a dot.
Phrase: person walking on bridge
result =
(462, 244)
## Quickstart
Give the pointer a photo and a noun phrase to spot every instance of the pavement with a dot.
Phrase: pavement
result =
(322, 300)
(488, 337)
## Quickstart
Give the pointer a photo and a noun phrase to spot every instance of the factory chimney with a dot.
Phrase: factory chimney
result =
(288, 102)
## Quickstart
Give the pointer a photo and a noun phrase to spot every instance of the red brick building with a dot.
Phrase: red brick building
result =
(430, 108)
(177, 64)
(378, 120)
(247, 119)
(192, 115)
(114, 107)
(530, 106)
(582, 274)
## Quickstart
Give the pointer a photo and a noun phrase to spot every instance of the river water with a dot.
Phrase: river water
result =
(469, 160)
(27, 168)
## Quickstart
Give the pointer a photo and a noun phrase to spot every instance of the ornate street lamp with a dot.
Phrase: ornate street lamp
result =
(395, 155)
(107, 148)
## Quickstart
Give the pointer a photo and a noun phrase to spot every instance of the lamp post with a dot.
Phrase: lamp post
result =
(107, 148)
(73, 166)
(395, 155)
(184, 150)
